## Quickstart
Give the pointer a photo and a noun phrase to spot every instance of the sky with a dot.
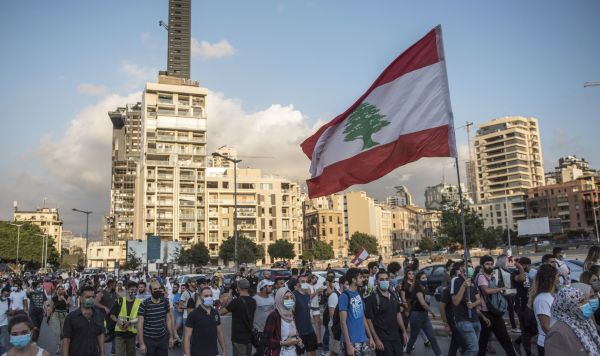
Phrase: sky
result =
(276, 71)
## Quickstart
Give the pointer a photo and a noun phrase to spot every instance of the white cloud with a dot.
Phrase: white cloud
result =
(137, 76)
(207, 50)
(92, 89)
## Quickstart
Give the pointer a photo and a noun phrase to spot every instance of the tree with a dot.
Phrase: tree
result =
(248, 251)
(358, 239)
(31, 245)
(133, 262)
(364, 121)
(490, 239)
(451, 229)
(198, 255)
(282, 249)
(75, 259)
(426, 244)
(322, 251)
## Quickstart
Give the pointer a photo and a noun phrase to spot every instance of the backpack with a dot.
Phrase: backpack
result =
(336, 328)
(496, 303)
(326, 317)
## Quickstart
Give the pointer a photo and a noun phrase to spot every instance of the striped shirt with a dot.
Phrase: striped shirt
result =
(155, 317)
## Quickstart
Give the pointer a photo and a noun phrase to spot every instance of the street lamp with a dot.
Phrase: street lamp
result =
(44, 250)
(594, 208)
(87, 224)
(18, 240)
(235, 229)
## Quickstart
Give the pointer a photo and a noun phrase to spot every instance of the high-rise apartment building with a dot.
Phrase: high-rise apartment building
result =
(269, 208)
(170, 194)
(437, 195)
(126, 151)
(47, 219)
(508, 155)
(569, 168)
(180, 29)
(402, 197)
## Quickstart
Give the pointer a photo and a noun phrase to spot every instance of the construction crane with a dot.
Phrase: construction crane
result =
(161, 23)
(468, 129)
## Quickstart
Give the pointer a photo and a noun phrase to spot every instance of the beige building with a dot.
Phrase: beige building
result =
(269, 208)
(70, 241)
(508, 155)
(126, 154)
(105, 256)
(47, 219)
(569, 169)
(170, 191)
(410, 224)
(324, 221)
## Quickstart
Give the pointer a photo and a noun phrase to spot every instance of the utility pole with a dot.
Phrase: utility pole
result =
(18, 242)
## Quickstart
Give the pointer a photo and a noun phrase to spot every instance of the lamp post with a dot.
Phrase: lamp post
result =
(44, 249)
(87, 224)
(235, 229)
(18, 241)
(594, 208)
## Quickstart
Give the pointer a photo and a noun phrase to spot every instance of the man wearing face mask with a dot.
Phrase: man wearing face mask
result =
(384, 318)
(265, 304)
(36, 311)
(203, 328)
(155, 324)
(124, 314)
(562, 267)
(394, 270)
(83, 330)
(521, 282)
(465, 298)
(302, 317)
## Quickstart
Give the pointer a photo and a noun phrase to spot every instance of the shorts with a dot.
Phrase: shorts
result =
(178, 317)
(334, 345)
(310, 342)
(315, 311)
(360, 349)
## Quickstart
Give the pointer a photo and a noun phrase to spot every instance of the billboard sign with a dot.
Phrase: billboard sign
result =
(153, 248)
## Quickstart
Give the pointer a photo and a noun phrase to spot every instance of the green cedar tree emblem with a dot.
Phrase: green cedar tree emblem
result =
(364, 122)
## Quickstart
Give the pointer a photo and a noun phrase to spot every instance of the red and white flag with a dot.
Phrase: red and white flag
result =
(404, 116)
(360, 256)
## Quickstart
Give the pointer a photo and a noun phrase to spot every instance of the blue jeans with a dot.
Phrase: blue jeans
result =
(4, 346)
(326, 339)
(470, 332)
(420, 321)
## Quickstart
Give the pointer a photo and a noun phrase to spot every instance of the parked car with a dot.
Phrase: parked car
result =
(275, 273)
(228, 279)
(322, 275)
(196, 276)
(575, 266)
(435, 276)
(279, 264)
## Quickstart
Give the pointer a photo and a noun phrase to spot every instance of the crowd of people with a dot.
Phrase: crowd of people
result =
(378, 310)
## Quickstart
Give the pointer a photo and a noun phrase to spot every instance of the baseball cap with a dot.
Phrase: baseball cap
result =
(243, 283)
(264, 283)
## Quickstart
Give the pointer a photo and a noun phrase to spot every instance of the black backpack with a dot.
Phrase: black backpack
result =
(326, 312)
(336, 328)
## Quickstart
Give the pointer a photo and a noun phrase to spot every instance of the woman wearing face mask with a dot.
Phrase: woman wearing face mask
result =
(593, 258)
(418, 315)
(203, 328)
(59, 308)
(573, 333)
(280, 333)
(542, 296)
(20, 329)
(407, 300)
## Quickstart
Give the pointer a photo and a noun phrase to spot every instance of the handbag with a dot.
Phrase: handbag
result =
(256, 335)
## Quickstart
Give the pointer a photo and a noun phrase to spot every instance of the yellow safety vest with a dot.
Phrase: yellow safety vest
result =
(123, 315)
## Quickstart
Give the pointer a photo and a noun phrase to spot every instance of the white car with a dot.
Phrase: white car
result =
(322, 276)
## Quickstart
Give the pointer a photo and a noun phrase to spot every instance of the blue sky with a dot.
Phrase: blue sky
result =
(64, 62)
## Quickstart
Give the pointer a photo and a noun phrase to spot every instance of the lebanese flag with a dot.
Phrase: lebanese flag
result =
(360, 256)
(404, 116)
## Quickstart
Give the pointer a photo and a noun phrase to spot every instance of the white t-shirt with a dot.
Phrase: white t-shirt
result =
(332, 302)
(314, 302)
(288, 329)
(216, 293)
(16, 299)
(372, 282)
(542, 305)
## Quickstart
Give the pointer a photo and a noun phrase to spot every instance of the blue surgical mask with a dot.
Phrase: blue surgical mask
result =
(470, 272)
(384, 285)
(395, 281)
(289, 304)
(208, 301)
(594, 303)
(20, 341)
(586, 311)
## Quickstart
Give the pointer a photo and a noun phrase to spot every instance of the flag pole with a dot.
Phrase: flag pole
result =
(462, 214)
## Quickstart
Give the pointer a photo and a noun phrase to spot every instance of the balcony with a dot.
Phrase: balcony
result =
(186, 177)
(187, 190)
(213, 227)
(158, 163)
(247, 227)
(186, 217)
(213, 214)
(165, 176)
(166, 138)
(165, 203)
(244, 214)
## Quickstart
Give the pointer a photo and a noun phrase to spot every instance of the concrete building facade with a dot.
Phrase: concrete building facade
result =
(436, 195)
(508, 157)
(569, 168)
(47, 219)
(324, 221)
(106, 256)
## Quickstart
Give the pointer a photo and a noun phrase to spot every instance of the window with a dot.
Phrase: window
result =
(330, 231)
(225, 185)
(322, 232)
(224, 210)
(225, 222)
(330, 218)
(212, 184)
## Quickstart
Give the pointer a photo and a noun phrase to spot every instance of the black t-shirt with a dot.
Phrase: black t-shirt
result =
(446, 298)
(116, 310)
(204, 333)
(461, 312)
(302, 314)
(522, 288)
(83, 333)
(242, 316)
(384, 318)
(415, 304)
(59, 305)
(38, 298)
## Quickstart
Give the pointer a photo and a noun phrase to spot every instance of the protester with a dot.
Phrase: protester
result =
(315, 294)
(418, 315)
(58, 310)
(527, 320)
(37, 308)
(265, 304)
(593, 258)
(562, 267)
(447, 315)
(242, 310)
(573, 333)
(544, 289)
(302, 317)
(502, 275)
(280, 332)
(407, 299)
(466, 300)
(20, 329)
(124, 314)
(492, 308)
(373, 268)
(18, 297)
(155, 324)
(83, 331)
(394, 269)
(332, 303)
(188, 293)
(142, 293)
(203, 329)
(4, 310)
(384, 318)
(356, 338)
